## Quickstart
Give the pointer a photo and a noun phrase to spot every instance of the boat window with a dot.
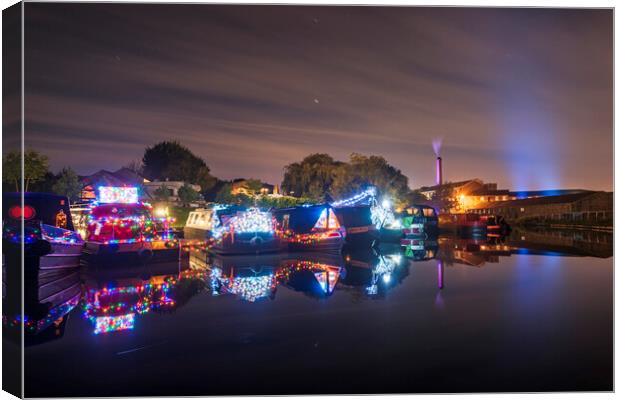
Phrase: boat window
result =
(429, 212)
(285, 221)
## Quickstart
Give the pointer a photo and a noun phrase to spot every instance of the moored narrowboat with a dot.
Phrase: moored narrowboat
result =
(420, 221)
(48, 236)
(201, 222)
(462, 224)
(357, 220)
(122, 229)
(311, 228)
(247, 232)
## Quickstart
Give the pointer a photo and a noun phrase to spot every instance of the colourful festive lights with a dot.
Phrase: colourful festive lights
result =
(114, 194)
(251, 221)
(365, 197)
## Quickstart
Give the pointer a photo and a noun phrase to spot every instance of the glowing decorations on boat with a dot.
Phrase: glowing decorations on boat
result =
(61, 219)
(115, 194)
(327, 220)
(251, 221)
(365, 197)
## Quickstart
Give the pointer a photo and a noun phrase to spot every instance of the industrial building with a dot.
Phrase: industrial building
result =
(581, 208)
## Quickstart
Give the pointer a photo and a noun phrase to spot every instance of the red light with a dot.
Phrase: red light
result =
(28, 212)
(15, 212)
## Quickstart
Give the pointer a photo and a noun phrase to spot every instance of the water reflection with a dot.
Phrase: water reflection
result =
(49, 297)
(114, 299)
(515, 305)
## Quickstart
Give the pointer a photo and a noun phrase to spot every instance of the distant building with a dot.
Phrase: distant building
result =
(460, 194)
(484, 198)
(575, 208)
(171, 186)
(456, 188)
(240, 186)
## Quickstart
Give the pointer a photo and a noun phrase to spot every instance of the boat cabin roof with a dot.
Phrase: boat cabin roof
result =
(44, 207)
(301, 219)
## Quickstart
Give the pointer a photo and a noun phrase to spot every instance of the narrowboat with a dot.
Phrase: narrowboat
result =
(358, 223)
(465, 224)
(247, 232)
(199, 224)
(471, 224)
(420, 221)
(311, 228)
(201, 221)
(122, 229)
(48, 237)
(388, 222)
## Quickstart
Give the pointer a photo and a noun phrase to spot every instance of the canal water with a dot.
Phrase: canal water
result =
(532, 312)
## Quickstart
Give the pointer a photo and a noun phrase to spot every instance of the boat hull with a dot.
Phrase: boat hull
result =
(43, 256)
(123, 254)
(328, 245)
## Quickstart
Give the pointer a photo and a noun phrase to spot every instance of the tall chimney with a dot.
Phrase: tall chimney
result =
(439, 172)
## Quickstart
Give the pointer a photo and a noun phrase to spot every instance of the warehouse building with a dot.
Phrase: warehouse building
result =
(576, 208)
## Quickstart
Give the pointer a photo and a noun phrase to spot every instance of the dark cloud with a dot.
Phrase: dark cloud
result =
(520, 96)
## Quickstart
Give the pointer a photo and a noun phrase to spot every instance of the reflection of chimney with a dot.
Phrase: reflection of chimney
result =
(439, 172)
(440, 274)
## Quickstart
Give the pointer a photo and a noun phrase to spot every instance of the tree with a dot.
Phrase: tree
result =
(225, 196)
(135, 166)
(68, 184)
(173, 161)
(312, 177)
(35, 168)
(187, 194)
(363, 171)
(253, 185)
(444, 198)
(162, 193)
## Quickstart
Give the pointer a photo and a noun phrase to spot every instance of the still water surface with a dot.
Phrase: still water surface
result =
(528, 313)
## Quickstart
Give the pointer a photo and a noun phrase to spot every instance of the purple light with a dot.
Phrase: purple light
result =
(440, 274)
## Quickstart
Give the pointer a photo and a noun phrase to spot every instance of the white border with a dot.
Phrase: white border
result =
(478, 3)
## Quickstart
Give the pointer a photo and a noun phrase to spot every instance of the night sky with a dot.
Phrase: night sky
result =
(521, 97)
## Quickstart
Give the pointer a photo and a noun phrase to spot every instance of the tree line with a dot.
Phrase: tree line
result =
(316, 178)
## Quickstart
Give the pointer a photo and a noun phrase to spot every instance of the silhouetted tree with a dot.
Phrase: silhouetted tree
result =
(35, 168)
(173, 161)
(68, 184)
